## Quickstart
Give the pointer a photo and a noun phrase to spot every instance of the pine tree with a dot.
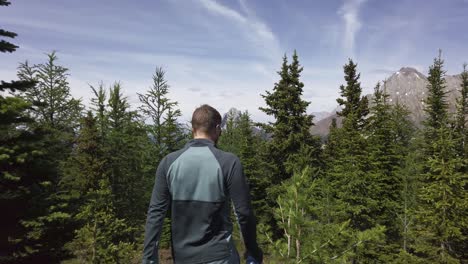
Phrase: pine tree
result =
(99, 107)
(389, 133)
(411, 168)
(230, 136)
(163, 114)
(436, 106)
(461, 117)
(6, 46)
(348, 169)
(21, 149)
(101, 238)
(353, 188)
(355, 107)
(307, 237)
(443, 202)
(290, 130)
(124, 130)
(461, 139)
(58, 109)
(248, 147)
(56, 113)
(173, 132)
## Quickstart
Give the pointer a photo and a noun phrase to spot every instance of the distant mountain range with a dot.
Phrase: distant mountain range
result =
(407, 87)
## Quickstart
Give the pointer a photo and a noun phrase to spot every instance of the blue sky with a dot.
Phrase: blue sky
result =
(226, 53)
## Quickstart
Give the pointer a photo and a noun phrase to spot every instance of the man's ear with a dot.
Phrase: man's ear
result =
(193, 131)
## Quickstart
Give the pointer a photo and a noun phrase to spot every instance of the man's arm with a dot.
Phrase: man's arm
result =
(239, 192)
(160, 201)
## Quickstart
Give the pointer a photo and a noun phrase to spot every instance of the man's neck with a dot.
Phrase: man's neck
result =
(204, 137)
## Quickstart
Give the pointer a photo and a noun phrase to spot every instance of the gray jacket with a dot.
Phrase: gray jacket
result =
(198, 183)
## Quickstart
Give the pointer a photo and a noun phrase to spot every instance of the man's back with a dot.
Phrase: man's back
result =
(198, 183)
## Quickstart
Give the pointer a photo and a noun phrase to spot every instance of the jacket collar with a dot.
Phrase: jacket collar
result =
(200, 142)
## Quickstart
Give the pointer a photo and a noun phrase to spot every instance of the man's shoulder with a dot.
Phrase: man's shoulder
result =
(224, 156)
(171, 157)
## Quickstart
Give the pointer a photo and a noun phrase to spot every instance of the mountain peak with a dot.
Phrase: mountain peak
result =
(409, 71)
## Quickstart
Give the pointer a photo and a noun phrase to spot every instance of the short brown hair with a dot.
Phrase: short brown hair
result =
(205, 118)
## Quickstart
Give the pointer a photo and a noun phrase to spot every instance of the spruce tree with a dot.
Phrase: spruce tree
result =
(57, 114)
(21, 181)
(355, 108)
(173, 132)
(443, 203)
(162, 112)
(130, 171)
(248, 148)
(58, 109)
(102, 235)
(306, 235)
(6, 46)
(230, 137)
(348, 169)
(388, 134)
(462, 115)
(99, 107)
(290, 130)
(353, 188)
(461, 138)
(409, 171)
(290, 147)
(435, 104)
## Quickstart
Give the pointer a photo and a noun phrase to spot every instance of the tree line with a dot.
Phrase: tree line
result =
(76, 180)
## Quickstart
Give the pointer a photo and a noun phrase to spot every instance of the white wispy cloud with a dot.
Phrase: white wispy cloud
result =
(255, 30)
(349, 12)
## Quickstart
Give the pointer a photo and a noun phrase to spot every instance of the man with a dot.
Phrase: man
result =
(198, 182)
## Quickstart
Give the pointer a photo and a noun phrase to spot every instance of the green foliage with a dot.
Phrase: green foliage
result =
(290, 130)
(6, 46)
(76, 187)
(57, 109)
(308, 235)
(355, 107)
(56, 114)
(21, 147)
(101, 239)
(461, 126)
(443, 203)
(102, 236)
(436, 106)
(166, 132)
(442, 199)
(348, 169)
(389, 133)
(231, 136)
(23, 185)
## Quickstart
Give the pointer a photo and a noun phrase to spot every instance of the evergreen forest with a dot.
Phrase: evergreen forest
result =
(76, 178)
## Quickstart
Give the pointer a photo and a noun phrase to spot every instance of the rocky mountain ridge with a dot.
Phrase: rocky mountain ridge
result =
(407, 87)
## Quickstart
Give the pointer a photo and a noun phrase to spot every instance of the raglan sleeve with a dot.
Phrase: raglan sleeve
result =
(159, 204)
(239, 193)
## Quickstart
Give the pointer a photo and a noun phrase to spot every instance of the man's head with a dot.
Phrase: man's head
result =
(206, 123)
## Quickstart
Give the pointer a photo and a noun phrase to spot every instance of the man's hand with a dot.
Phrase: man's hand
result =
(251, 260)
